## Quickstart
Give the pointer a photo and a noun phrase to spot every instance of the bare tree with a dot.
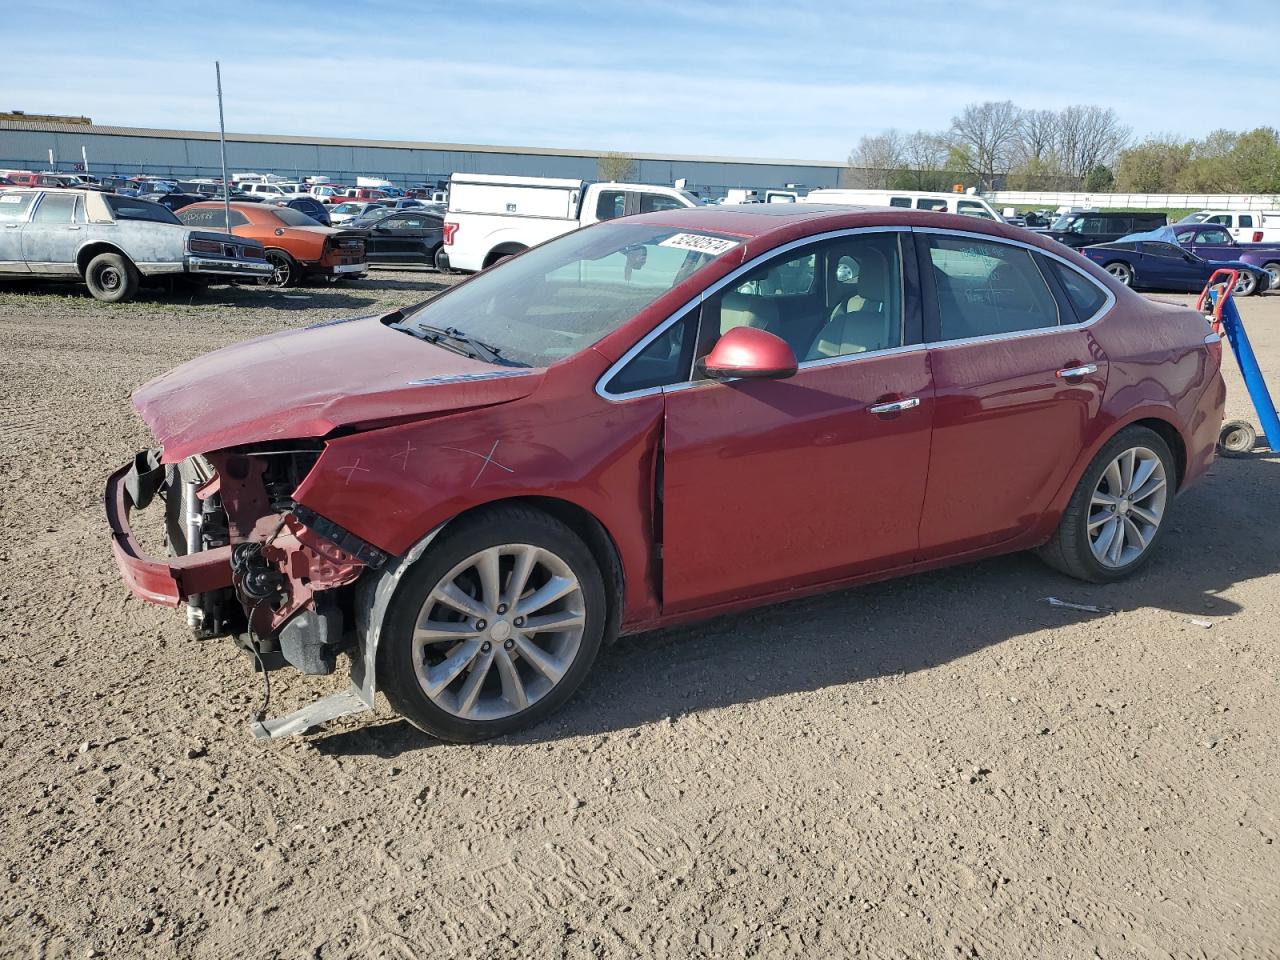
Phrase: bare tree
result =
(1037, 136)
(1089, 137)
(874, 160)
(924, 155)
(988, 134)
(616, 167)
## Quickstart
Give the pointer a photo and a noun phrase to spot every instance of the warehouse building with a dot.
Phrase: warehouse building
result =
(26, 144)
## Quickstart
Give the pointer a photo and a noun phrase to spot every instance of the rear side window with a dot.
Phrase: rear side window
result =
(612, 203)
(56, 208)
(651, 202)
(900, 201)
(969, 208)
(129, 208)
(1085, 295)
(1246, 220)
(986, 288)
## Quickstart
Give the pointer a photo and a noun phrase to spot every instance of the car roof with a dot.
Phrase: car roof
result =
(760, 220)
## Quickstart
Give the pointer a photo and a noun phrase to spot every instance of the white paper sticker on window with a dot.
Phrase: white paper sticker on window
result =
(712, 246)
(11, 198)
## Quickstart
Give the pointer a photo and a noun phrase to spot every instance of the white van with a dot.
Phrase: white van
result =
(965, 204)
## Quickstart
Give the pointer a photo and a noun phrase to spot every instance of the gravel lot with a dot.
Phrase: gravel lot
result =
(944, 766)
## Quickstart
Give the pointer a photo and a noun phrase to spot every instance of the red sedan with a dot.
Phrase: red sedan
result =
(653, 420)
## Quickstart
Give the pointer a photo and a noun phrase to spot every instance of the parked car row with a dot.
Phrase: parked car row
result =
(1171, 260)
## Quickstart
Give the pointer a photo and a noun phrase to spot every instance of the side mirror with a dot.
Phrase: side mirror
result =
(749, 353)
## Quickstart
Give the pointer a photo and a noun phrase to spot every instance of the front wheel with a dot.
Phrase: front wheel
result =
(1117, 513)
(1273, 271)
(1122, 272)
(494, 628)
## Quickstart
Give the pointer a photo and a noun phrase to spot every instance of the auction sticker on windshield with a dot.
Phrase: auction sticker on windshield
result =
(699, 243)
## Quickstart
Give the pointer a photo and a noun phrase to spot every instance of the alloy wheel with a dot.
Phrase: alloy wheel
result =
(1245, 284)
(1127, 507)
(498, 632)
(1121, 272)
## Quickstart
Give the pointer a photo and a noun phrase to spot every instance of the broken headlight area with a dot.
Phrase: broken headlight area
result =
(283, 602)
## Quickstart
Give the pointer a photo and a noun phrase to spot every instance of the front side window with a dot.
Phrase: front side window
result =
(1213, 236)
(564, 295)
(987, 288)
(14, 206)
(835, 298)
(929, 203)
(900, 201)
(1221, 220)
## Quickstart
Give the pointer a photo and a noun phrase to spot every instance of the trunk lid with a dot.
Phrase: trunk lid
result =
(302, 384)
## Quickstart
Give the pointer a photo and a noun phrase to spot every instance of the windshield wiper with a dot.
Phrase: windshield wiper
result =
(451, 338)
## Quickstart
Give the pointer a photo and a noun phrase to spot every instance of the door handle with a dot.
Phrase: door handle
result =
(12, 226)
(1071, 373)
(75, 228)
(895, 406)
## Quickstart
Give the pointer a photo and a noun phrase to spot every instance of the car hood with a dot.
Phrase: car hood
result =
(302, 384)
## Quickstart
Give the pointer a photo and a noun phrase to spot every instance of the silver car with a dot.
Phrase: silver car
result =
(114, 243)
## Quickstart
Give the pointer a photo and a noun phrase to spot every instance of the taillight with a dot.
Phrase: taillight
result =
(450, 231)
(204, 246)
(1257, 236)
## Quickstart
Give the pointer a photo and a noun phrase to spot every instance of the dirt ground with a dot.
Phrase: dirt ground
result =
(943, 766)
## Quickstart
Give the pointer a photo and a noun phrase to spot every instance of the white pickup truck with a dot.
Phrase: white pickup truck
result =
(1245, 226)
(492, 217)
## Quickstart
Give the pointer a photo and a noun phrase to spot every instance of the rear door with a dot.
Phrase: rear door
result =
(1018, 381)
(776, 484)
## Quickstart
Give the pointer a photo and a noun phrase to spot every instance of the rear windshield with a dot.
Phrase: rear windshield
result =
(132, 208)
(294, 218)
(561, 297)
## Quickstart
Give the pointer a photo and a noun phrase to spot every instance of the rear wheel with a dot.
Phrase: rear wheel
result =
(1246, 284)
(494, 628)
(285, 271)
(1117, 513)
(1122, 272)
(440, 259)
(111, 278)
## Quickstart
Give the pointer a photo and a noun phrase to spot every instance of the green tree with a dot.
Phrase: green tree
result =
(1100, 179)
(1153, 166)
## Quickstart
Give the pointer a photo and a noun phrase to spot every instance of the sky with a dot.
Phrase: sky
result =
(801, 80)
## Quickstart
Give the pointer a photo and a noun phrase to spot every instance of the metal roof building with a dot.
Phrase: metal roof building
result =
(25, 144)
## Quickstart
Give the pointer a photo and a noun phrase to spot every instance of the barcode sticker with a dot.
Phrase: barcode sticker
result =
(697, 242)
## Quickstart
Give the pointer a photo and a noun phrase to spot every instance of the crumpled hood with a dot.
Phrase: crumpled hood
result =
(306, 383)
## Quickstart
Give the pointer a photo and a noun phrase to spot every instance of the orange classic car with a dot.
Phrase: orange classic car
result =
(296, 246)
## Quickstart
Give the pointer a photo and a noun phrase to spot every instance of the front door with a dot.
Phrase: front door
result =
(1018, 381)
(769, 485)
(14, 210)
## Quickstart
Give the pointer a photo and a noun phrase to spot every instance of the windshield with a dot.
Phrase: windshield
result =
(563, 296)
(1065, 223)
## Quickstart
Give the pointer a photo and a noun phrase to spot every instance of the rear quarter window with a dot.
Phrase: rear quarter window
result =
(1086, 297)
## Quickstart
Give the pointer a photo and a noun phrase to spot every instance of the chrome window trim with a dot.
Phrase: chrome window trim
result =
(715, 288)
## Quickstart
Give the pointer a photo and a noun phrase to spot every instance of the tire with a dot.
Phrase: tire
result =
(112, 278)
(440, 260)
(1074, 548)
(1274, 270)
(1237, 438)
(466, 707)
(1121, 271)
(1246, 284)
(285, 271)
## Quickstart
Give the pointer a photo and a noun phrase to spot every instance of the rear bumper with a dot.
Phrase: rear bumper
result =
(164, 582)
(348, 271)
(227, 267)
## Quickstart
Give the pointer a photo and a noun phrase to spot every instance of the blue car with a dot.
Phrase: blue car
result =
(1155, 261)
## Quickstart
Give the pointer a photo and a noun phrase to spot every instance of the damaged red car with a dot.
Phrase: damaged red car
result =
(653, 420)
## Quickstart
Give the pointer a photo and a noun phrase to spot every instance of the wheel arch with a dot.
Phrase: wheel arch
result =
(90, 250)
(508, 249)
